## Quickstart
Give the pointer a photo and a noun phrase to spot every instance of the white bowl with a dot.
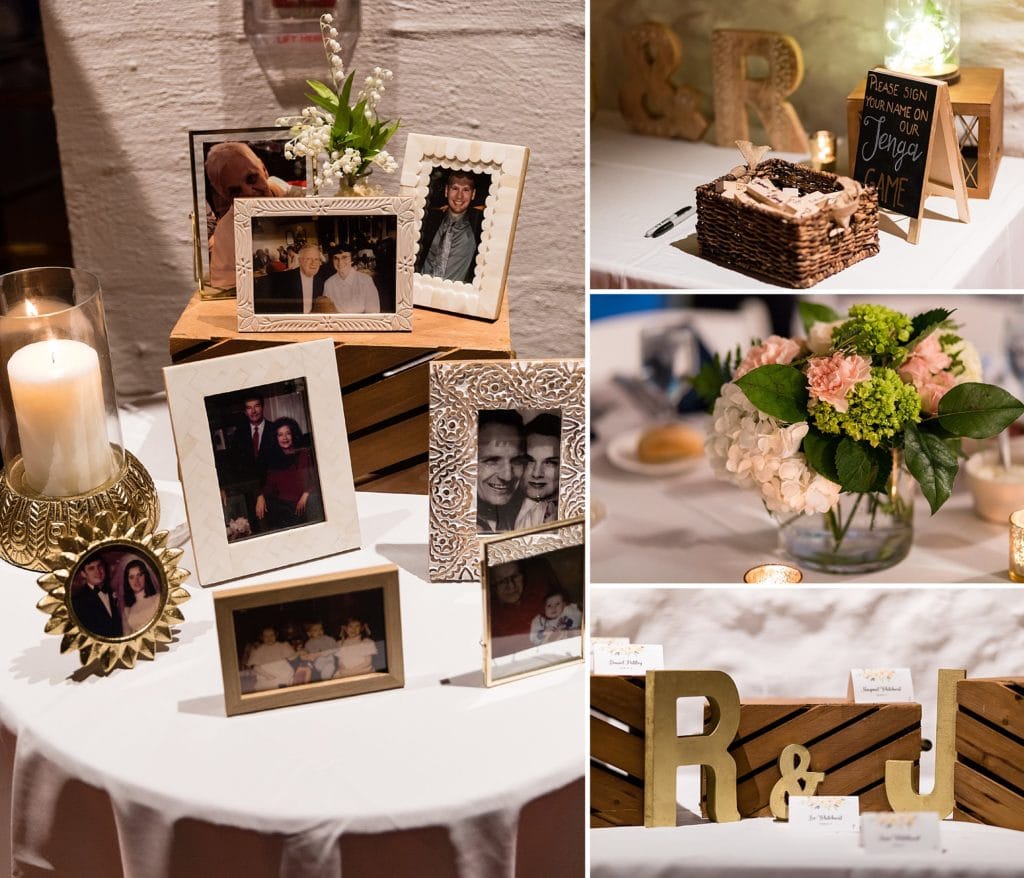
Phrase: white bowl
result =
(997, 492)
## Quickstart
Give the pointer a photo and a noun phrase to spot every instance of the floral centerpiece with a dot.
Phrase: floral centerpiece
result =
(344, 141)
(833, 430)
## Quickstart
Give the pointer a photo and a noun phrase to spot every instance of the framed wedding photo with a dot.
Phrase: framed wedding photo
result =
(533, 595)
(324, 264)
(310, 639)
(506, 453)
(230, 163)
(263, 458)
(467, 195)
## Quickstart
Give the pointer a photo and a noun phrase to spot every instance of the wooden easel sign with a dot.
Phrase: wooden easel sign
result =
(907, 146)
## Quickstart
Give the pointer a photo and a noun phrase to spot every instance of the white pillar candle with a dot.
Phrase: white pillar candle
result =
(57, 389)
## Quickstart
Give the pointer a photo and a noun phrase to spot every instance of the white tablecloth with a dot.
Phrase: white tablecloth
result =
(142, 774)
(766, 849)
(636, 181)
(694, 528)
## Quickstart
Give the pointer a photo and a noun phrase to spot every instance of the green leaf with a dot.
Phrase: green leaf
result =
(923, 324)
(820, 451)
(860, 467)
(932, 462)
(811, 313)
(324, 103)
(346, 91)
(778, 391)
(325, 91)
(978, 410)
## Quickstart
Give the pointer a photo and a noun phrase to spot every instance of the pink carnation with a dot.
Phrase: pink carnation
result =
(773, 350)
(932, 390)
(925, 368)
(830, 379)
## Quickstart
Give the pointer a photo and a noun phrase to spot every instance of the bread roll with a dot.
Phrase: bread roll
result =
(669, 442)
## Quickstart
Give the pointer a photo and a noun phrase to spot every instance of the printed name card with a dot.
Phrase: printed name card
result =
(902, 833)
(596, 642)
(880, 685)
(825, 813)
(628, 659)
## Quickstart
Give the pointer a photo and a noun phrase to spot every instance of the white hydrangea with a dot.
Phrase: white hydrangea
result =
(753, 450)
(819, 336)
(970, 359)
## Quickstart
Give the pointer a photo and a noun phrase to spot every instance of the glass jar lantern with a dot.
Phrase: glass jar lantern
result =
(922, 37)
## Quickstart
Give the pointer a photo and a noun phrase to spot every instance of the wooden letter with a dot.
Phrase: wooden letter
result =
(900, 775)
(734, 90)
(797, 779)
(665, 751)
(650, 103)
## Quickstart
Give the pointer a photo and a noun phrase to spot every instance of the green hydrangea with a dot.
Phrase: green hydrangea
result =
(879, 409)
(873, 330)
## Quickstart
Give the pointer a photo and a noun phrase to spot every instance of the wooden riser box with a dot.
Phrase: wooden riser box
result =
(617, 751)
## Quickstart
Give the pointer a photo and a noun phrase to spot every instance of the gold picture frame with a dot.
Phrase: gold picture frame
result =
(537, 573)
(369, 596)
(497, 173)
(463, 395)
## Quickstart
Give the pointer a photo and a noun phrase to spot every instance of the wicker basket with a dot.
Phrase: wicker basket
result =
(791, 251)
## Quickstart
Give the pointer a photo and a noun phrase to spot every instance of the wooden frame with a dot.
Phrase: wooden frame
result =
(227, 604)
(189, 386)
(425, 156)
(540, 650)
(459, 392)
(197, 141)
(313, 208)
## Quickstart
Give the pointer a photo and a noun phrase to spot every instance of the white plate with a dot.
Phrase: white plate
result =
(621, 453)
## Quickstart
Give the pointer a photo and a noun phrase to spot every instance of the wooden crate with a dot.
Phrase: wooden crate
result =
(617, 751)
(978, 110)
(988, 778)
(384, 378)
(849, 742)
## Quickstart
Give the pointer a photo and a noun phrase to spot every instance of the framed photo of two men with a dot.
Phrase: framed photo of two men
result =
(506, 453)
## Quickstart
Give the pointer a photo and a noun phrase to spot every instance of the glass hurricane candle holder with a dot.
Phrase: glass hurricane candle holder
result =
(822, 145)
(64, 459)
(922, 37)
(1017, 546)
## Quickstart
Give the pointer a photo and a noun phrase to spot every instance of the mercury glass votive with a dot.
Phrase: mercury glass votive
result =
(1017, 546)
(773, 574)
(922, 37)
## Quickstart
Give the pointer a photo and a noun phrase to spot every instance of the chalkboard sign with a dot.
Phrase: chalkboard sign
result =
(894, 141)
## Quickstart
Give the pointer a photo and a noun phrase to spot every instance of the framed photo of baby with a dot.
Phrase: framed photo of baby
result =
(266, 482)
(309, 640)
(533, 591)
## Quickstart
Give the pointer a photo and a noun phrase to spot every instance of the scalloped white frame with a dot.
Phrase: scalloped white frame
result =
(507, 166)
(402, 208)
(459, 390)
(188, 385)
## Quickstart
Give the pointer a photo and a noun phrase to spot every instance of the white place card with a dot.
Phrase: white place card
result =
(900, 833)
(627, 659)
(825, 813)
(605, 641)
(880, 685)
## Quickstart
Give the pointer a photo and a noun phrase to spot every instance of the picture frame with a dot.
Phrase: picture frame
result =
(482, 414)
(208, 206)
(496, 174)
(289, 396)
(361, 606)
(368, 244)
(533, 584)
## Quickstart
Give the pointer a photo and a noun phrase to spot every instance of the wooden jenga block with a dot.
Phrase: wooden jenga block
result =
(617, 751)
(849, 742)
(988, 778)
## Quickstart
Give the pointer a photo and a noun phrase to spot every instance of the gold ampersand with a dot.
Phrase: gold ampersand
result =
(797, 780)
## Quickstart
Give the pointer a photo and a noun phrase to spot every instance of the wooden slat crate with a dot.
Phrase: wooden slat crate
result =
(988, 778)
(384, 378)
(849, 742)
(617, 751)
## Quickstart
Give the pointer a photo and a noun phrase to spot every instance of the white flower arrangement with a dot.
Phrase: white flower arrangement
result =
(343, 141)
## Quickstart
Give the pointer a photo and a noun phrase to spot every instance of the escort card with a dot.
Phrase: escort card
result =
(880, 685)
(605, 641)
(825, 813)
(904, 832)
(626, 659)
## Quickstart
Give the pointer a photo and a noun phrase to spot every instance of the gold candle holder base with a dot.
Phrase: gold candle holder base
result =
(32, 526)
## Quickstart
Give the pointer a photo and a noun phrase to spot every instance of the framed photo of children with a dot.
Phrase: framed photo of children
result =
(467, 196)
(533, 590)
(230, 163)
(310, 639)
(266, 481)
(506, 452)
(324, 264)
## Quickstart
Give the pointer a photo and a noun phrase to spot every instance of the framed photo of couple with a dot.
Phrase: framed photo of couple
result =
(506, 453)
(264, 463)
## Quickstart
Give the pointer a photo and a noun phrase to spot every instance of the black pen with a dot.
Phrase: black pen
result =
(670, 222)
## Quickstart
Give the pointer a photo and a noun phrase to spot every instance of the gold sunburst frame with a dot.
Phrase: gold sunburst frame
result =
(111, 532)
